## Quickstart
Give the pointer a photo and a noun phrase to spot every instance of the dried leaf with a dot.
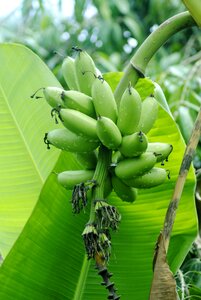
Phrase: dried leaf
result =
(163, 284)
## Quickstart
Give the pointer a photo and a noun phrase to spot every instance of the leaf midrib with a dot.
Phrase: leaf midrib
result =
(82, 279)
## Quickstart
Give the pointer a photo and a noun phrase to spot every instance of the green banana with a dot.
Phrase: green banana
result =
(69, 74)
(149, 114)
(103, 99)
(135, 166)
(53, 96)
(87, 160)
(154, 177)
(129, 111)
(79, 123)
(78, 101)
(85, 71)
(108, 133)
(161, 150)
(123, 191)
(69, 179)
(65, 139)
(134, 144)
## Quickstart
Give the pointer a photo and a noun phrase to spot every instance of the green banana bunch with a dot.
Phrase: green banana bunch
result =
(89, 114)
(93, 124)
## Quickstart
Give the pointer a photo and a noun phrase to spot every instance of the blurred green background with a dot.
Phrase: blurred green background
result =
(111, 31)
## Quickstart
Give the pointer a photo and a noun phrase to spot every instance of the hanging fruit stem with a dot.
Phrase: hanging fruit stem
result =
(100, 252)
(100, 175)
(138, 63)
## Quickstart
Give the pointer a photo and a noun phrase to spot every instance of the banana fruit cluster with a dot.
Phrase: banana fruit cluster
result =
(111, 145)
(91, 118)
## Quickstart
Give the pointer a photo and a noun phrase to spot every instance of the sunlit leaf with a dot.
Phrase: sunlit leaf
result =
(145, 87)
(113, 78)
(24, 161)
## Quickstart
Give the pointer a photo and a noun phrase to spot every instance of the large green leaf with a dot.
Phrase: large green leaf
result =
(48, 262)
(24, 160)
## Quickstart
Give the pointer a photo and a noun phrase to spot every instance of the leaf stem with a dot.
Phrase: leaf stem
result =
(185, 165)
(138, 63)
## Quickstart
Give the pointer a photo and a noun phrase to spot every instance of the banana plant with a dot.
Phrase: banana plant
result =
(41, 247)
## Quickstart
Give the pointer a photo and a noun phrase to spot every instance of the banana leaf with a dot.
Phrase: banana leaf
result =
(25, 162)
(48, 261)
